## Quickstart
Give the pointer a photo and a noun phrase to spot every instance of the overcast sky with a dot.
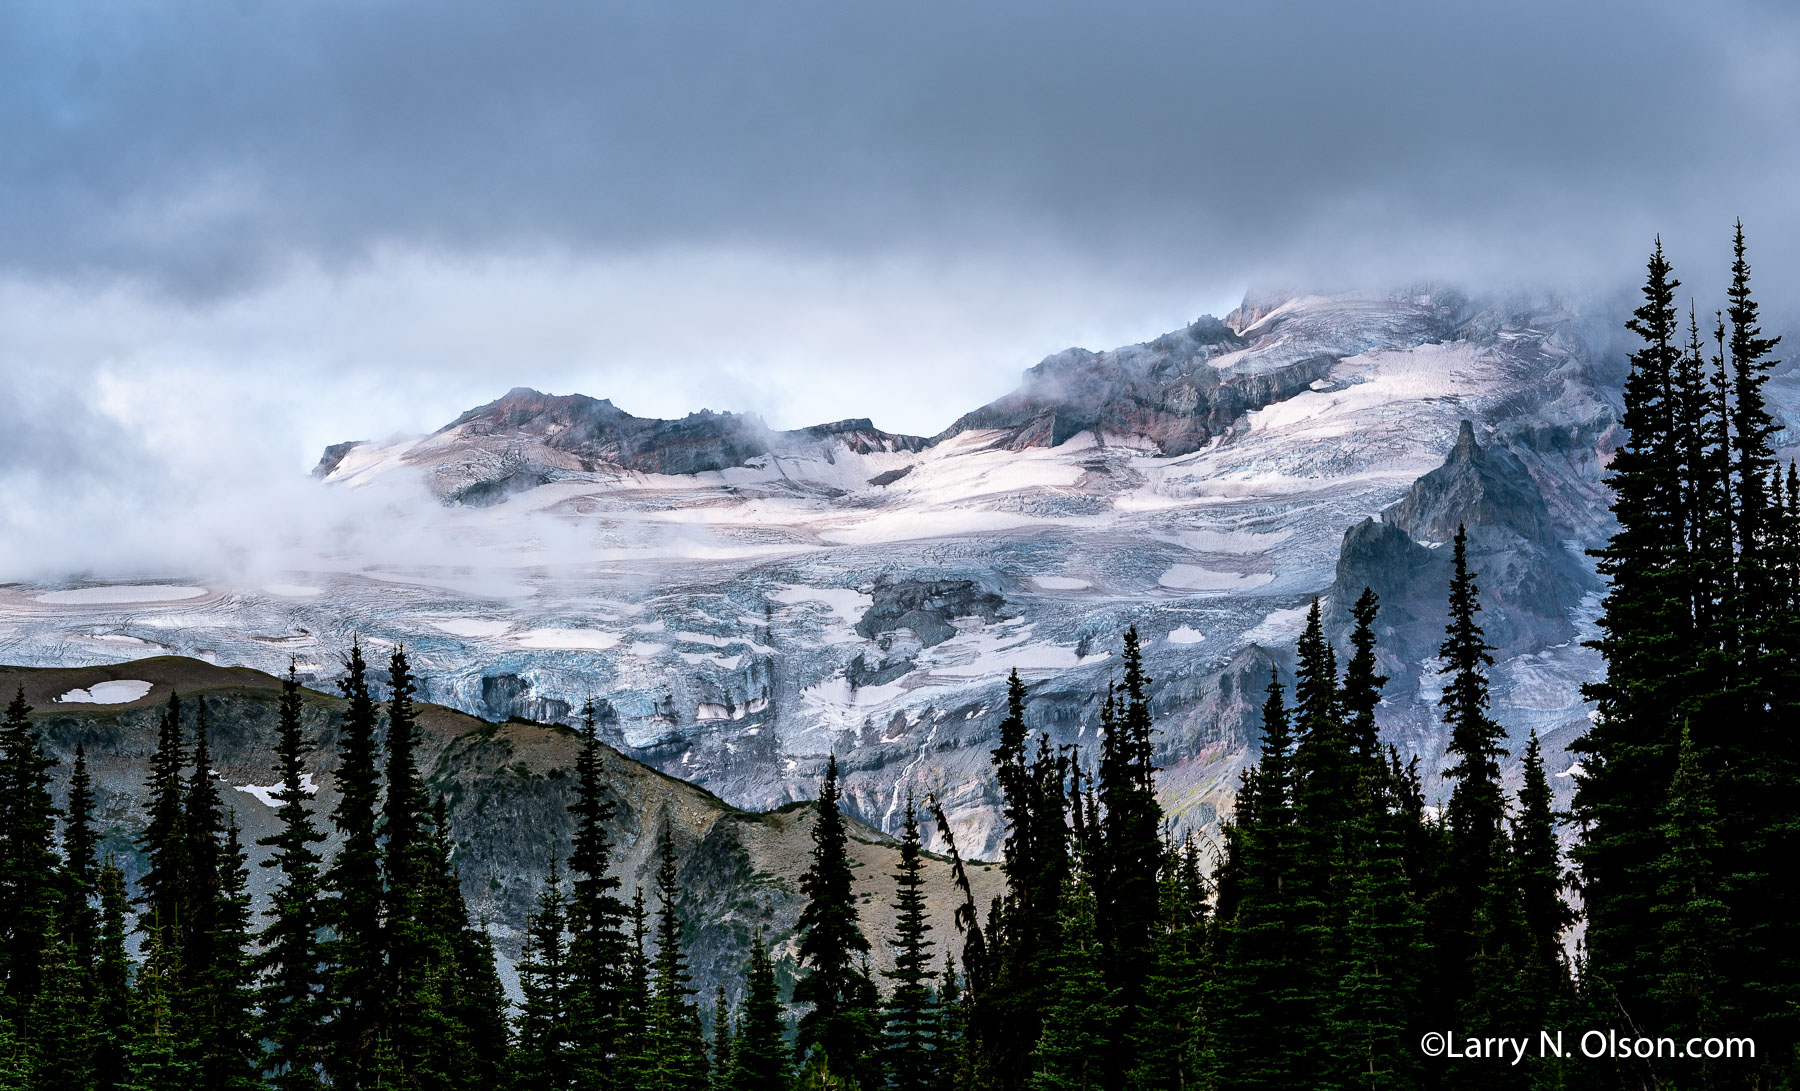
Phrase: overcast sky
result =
(234, 231)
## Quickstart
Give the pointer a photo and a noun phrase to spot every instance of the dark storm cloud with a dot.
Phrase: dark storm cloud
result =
(197, 145)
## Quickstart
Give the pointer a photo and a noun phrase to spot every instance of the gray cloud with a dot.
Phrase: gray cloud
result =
(237, 230)
(200, 144)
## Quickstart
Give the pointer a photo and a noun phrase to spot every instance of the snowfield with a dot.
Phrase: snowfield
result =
(120, 692)
(736, 626)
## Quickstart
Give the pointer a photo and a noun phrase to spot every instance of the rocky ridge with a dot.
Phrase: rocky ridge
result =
(507, 786)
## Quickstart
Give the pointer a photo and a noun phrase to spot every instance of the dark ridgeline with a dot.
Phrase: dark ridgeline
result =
(1342, 918)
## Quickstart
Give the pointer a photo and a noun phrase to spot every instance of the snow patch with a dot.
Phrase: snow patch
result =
(1060, 583)
(266, 792)
(121, 692)
(293, 590)
(121, 593)
(474, 627)
(1189, 577)
(590, 640)
(1186, 635)
(1278, 625)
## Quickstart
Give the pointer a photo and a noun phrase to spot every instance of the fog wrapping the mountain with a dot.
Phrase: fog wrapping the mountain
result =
(236, 234)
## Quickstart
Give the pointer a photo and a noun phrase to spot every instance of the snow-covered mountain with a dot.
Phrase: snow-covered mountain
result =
(740, 601)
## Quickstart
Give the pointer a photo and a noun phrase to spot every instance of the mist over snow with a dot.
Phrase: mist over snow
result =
(235, 234)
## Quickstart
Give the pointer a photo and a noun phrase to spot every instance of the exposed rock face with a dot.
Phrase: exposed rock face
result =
(507, 786)
(526, 439)
(1531, 581)
(334, 456)
(927, 608)
(1172, 392)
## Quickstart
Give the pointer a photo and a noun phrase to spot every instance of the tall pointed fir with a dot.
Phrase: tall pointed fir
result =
(211, 932)
(231, 1053)
(1080, 1018)
(1689, 911)
(1647, 640)
(291, 997)
(60, 1019)
(1261, 993)
(1477, 804)
(476, 1048)
(759, 1057)
(1757, 762)
(544, 1057)
(634, 988)
(1377, 1003)
(1539, 871)
(1362, 686)
(29, 882)
(353, 951)
(841, 1022)
(157, 1057)
(112, 977)
(413, 958)
(1328, 827)
(910, 1047)
(164, 841)
(1165, 1041)
(1005, 1016)
(675, 1053)
(80, 917)
(1131, 849)
(596, 915)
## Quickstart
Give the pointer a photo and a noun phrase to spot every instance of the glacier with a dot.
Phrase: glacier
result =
(739, 602)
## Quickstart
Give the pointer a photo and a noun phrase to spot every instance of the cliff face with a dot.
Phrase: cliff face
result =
(1531, 580)
(507, 786)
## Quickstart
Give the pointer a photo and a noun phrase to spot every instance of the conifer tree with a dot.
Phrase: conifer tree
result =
(112, 973)
(1080, 1015)
(228, 1036)
(164, 841)
(1362, 685)
(634, 986)
(1628, 755)
(910, 1025)
(353, 952)
(156, 1059)
(15, 1059)
(198, 989)
(412, 941)
(1690, 912)
(675, 1054)
(30, 886)
(1263, 990)
(759, 1060)
(842, 1019)
(61, 1020)
(1125, 878)
(1477, 805)
(1378, 998)
(544, 1056)
(79, 916)
(1165, 1041)
(596, 914)
(291, 997)
(1538, 866)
